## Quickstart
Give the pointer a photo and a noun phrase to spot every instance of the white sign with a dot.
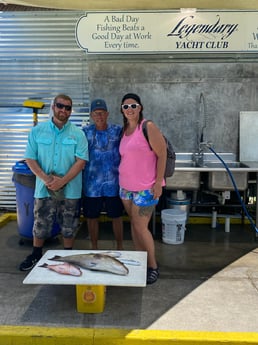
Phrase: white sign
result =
(161, 32)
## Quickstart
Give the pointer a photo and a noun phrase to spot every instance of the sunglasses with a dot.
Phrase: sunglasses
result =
(127, 106)
(61, 106)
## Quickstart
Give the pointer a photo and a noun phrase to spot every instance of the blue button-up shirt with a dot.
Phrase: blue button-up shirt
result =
(56, 150)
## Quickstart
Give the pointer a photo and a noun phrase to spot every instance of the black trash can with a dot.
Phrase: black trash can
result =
(24, 181)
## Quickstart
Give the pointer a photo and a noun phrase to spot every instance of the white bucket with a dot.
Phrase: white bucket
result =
(182, 204)
(173, 225)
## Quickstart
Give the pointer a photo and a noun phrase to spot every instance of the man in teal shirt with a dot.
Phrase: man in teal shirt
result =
(56, 153)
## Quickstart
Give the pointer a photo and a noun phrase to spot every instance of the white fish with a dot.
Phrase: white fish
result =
(96, 262)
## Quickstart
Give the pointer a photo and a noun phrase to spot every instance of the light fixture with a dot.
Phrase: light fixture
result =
(187, 10)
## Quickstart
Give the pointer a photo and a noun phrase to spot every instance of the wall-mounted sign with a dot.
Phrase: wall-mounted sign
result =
(162, 32)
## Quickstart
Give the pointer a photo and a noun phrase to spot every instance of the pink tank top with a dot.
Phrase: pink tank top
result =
(137, 170)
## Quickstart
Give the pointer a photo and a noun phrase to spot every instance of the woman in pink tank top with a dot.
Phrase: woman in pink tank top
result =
(141, 176)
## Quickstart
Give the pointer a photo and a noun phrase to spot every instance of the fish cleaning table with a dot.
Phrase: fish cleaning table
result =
(91, 285)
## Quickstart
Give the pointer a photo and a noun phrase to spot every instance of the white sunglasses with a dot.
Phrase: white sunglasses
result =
(127, 106)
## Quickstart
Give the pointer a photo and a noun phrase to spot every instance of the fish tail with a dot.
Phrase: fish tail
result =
(44, 265)
(56, 257)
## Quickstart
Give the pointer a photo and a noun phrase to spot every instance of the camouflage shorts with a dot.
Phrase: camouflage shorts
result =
(48, 212)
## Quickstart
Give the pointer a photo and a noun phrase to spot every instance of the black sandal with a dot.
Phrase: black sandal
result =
(152, 275)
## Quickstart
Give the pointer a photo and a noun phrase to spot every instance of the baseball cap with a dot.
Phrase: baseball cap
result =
(133, 96)
(99, 104)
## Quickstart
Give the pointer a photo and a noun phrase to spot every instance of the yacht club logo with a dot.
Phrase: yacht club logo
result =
(187, 27)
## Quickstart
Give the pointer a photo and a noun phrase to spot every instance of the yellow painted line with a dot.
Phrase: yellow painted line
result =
(220, 220)
(7, 217)
(26, 335)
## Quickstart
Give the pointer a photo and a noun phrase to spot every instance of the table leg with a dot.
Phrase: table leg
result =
(90, 298)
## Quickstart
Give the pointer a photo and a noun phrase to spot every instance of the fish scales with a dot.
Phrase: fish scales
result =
(96, 262)
(64, 268)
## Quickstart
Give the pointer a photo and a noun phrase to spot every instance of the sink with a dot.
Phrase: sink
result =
(184, 180)
(185, 164)
(218, 180)
(221, 181)
(230, 165)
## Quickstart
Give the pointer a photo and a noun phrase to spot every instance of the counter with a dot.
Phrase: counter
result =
(187, 165)
(249, 167)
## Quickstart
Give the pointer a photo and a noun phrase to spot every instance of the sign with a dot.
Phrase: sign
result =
(164, 32)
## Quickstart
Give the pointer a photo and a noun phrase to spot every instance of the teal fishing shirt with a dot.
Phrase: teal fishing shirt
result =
(56, 150)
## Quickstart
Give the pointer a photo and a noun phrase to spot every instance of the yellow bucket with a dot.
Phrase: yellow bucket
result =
(90, 298)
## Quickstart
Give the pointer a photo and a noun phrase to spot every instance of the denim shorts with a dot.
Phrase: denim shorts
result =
(48, 211)
(141, 198)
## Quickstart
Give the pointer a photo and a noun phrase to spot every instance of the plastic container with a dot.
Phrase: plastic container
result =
(173, 225)
(90, 298)
(24, 181)
(183, 205)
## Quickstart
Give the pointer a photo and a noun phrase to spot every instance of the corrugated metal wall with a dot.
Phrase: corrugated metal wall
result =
(39, 59)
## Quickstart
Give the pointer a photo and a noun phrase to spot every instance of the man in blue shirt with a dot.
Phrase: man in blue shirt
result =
(56, 153)
(100, 179)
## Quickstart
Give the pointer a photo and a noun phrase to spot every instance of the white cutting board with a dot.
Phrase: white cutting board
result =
(136, 276)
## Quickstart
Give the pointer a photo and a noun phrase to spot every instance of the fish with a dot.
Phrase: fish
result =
(112, 253)
(124, 261)
(117, 255)
(130, 262)
(95, 262)
(64, 268)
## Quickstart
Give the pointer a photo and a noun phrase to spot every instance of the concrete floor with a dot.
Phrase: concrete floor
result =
(208, 283)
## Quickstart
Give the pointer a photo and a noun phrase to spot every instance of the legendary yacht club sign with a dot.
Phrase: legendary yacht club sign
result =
(161, 32)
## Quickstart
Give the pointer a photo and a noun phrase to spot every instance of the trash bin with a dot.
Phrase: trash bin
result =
(24, 181)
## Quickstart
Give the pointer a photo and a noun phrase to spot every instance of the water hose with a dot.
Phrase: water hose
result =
(235, 187)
